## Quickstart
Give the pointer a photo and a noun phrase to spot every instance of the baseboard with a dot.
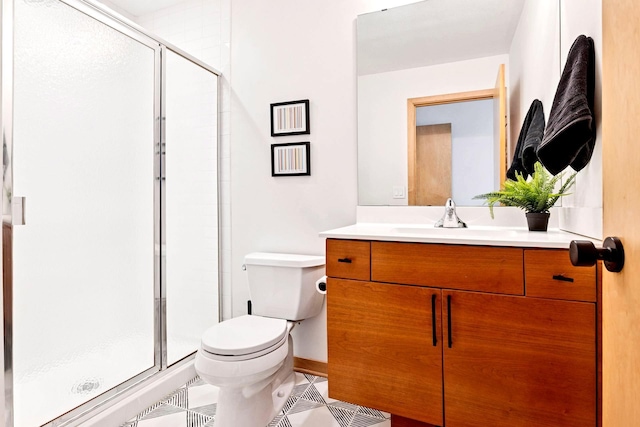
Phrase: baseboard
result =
(308, 366)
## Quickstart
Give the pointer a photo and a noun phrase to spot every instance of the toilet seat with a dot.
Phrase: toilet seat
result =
(245, 337)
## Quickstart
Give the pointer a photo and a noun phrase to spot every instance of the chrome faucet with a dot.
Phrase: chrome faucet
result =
(450, 218)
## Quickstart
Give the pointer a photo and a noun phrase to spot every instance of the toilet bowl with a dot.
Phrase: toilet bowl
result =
(250, 357)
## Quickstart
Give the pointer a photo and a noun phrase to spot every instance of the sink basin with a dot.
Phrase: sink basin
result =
(467, 233)
(427, 230)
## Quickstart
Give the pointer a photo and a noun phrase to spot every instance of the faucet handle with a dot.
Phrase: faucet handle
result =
(450, 218)
(450, 205)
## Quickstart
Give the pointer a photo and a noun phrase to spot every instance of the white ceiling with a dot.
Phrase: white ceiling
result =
(142, 7)
(435, 32)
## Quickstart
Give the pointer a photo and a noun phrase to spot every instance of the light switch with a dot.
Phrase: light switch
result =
(398, 192)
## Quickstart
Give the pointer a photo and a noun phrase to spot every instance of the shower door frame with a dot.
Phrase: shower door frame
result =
(118, 23)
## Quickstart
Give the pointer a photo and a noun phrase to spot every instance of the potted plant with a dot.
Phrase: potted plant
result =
(535, 195)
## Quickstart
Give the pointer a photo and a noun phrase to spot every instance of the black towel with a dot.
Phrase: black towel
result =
(571, 129)
(530, 137)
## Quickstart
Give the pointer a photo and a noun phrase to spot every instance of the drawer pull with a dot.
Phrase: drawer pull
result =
(433, 320)
(562, 278)
(449, 320)
(346, 260)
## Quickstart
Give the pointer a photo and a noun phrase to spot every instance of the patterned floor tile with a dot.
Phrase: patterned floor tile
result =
(201, 395)
(195, 404)
(206, 409)
(280, 421)
(163, 411)
(178, 398)
(361, 420)
(318, 417)
(172, 416)
(341, 415)
(303, 405)
(312, 393)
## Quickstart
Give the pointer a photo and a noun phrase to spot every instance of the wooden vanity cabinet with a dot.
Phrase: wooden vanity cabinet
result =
(386, 347)
(496, 357)
(517, 361)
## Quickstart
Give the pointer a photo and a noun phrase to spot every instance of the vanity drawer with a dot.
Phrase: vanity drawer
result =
(349, 259)
(550, 274)
(473, 268)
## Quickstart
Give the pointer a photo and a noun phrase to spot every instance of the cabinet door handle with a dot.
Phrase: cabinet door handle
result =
(449, 320)
(347, 260)
(562, 278)
(433, 320)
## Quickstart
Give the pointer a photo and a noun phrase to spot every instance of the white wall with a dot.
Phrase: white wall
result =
(382, 118)
(538, 53)
(534, 62)
(285, 50)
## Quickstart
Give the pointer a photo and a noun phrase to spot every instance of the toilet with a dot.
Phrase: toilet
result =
(250, 358)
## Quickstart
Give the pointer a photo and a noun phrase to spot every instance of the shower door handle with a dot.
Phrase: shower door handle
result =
(17, 210)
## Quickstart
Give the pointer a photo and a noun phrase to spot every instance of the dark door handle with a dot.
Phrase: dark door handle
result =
(433, 320)
(584, 253)
(347, 260)
(449, 320)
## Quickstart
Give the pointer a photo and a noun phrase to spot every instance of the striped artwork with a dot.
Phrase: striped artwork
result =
(290, 159)
(290, 118)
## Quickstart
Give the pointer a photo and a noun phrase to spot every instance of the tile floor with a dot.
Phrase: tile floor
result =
(194, 405)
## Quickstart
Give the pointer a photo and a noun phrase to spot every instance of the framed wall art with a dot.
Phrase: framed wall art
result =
(292, 159)
(290, 118)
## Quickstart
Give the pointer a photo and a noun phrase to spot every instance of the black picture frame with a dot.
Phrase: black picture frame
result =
(290, 118)
(291, 159)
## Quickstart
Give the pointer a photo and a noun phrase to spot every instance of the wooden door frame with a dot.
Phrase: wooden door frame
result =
(413, 104)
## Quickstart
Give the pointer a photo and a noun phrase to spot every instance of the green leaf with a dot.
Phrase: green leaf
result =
(533, 195)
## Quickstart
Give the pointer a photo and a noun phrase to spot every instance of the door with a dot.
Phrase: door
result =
(385, 347)
(433, 164)
(83, 157)
(533, 361)
(500, 124)
(621, 182)
(191, 205)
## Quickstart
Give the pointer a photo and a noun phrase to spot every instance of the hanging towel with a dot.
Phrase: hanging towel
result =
(530, 137)
(571, 130)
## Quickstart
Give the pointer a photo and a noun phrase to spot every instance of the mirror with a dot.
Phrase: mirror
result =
(439, 48)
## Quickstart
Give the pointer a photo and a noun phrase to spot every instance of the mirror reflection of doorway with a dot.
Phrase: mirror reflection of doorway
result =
(433, 164)
(455, 153)
(478, 152)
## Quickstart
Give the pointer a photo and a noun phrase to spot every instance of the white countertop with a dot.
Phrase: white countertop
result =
(474, 235)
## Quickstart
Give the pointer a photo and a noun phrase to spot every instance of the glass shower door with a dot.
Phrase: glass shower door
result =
(191, 200)
(83, 158)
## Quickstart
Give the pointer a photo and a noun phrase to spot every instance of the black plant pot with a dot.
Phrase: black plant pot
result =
(538, 221)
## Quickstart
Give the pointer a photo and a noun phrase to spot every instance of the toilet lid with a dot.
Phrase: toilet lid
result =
(244, 335)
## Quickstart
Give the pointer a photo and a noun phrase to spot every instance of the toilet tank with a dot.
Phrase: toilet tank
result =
(284, 285)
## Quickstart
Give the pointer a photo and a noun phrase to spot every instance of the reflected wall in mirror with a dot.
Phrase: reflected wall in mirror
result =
(439, 47)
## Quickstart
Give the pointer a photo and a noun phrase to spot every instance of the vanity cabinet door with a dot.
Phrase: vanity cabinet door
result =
(385, 351)
(515, 361)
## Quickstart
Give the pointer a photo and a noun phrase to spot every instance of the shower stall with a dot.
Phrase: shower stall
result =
(110, 207)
